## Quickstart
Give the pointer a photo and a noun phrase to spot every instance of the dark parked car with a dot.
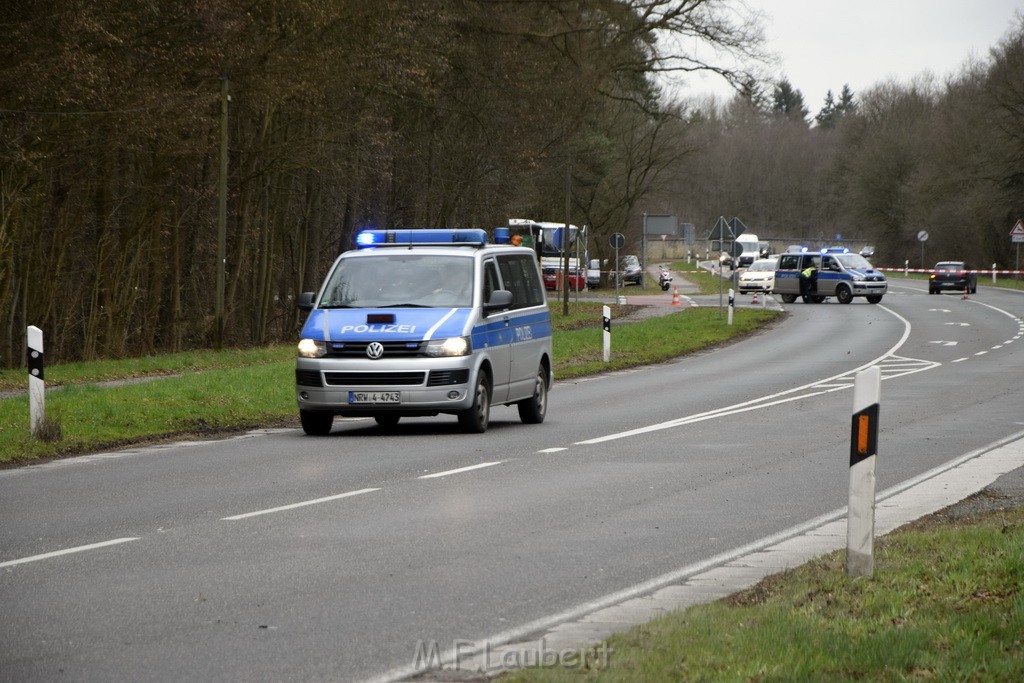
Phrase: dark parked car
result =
(629, 267)
(953, 275)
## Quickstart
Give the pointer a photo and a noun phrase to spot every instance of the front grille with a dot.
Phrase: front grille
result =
(308, 378)
(392, 349)
(373, 379)
(441, 378)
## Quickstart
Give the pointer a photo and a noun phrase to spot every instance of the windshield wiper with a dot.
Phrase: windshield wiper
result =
(407, 305)
(338, 306)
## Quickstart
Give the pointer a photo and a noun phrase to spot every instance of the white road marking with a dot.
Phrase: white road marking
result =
(304, 503)
(552, 450)
(944, 343)
(435, 475)
(67, 551)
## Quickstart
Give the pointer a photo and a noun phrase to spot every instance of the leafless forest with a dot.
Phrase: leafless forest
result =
(413, 113)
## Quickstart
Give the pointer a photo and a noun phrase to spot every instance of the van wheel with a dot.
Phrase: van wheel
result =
(874, 299)
(316, 422)
(843, 294)
(387, 419)
(532, 410)
(788, 298)
(474, 419)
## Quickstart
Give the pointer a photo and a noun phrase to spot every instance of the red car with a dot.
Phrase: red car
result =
(577, 279)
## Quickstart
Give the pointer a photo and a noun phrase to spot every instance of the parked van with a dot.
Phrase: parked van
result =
(420, 322)
(840, 273)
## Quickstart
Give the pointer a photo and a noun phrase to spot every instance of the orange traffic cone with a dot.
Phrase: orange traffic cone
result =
(755, 297)
(675, 297)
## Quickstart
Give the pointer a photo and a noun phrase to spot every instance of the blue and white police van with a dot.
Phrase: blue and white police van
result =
(421, 322)
(838, 273)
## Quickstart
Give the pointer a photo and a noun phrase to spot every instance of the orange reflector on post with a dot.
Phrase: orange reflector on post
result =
(863, 430)
(864, 434)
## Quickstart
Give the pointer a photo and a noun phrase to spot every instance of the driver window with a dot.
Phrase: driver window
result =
(490, 279)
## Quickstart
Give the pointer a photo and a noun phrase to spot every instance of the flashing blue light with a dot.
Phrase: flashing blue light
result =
(420, 236)
(501, 236)
(835, 250)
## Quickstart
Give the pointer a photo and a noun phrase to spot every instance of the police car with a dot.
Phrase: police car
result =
(840, 273)
(423, 322)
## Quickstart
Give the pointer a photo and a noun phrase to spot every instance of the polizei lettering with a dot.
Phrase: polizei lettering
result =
(379, 328)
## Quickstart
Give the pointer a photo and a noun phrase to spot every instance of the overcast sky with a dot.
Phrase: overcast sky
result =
(822, 44)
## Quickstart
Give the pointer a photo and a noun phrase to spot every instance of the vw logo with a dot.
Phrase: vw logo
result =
(374, 350)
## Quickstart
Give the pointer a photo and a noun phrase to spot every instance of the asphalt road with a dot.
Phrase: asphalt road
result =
(278, 556)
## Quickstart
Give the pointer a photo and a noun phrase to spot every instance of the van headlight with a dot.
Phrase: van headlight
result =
(452, 346)
(858, 276)
(312, 348)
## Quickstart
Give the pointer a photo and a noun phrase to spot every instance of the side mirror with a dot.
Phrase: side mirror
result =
(305, 302)
(501, 299)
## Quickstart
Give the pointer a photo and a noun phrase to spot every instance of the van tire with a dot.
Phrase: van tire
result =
(316, 422)
(474, 419)
(874, 299)
(843, 294)
(387, 420)
(532, 410)
(788, 298)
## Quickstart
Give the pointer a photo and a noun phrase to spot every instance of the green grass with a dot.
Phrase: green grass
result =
(946, 603)
(206, 392)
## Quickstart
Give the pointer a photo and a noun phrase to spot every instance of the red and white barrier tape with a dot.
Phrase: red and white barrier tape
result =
(955, 272)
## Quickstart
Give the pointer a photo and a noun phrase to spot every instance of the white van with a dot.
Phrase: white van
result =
(751, 250)
(415, 323)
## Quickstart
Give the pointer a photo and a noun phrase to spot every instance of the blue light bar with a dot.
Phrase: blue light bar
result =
(420, 236)
(501, 236)
(835, 250)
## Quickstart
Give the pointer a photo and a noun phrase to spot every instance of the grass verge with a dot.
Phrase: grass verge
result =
(946, 603)
(214, 392)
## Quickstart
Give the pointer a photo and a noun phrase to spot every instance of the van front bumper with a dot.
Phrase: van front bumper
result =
(442, 386)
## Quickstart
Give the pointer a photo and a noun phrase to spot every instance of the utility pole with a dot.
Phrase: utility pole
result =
(222, 216)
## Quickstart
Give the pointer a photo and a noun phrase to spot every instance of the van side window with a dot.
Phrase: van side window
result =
(519, 275)
(829, 263)
(490, 279)
(789, 261)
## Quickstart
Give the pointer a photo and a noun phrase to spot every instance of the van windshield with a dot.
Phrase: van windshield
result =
(393, 280)
(853, 261)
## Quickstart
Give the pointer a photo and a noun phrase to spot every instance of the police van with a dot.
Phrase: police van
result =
(840, 273)
(421, 322)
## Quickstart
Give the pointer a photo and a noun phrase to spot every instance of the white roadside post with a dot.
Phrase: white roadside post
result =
(732, 302)
(606, 324)
(860, 529)
(993, 273)
(36, 382)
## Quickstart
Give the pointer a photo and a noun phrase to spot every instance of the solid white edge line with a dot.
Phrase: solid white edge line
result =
(544, 623)
(297, 505)
(435, 475)
(67, 551)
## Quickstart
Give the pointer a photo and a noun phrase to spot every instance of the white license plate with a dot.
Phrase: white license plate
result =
(374, 397)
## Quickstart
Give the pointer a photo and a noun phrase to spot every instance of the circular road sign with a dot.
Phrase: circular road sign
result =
(922, 236)
(617, 240)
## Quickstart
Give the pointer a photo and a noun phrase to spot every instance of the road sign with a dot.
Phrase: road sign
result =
(617, 240)
(737, 227)
(720, 231)
(1017, 233)
(660, 224)
(922, 236)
